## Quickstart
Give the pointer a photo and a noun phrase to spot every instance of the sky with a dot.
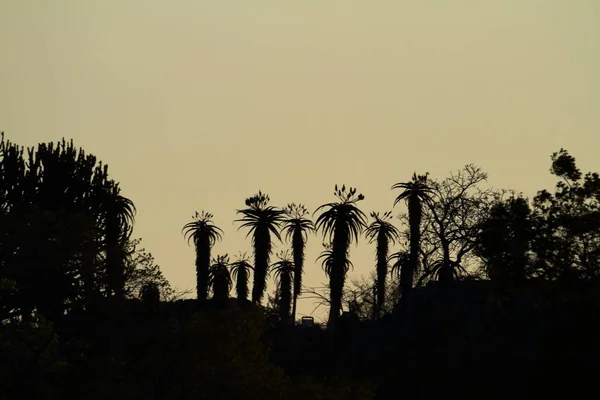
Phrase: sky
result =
(197, 105)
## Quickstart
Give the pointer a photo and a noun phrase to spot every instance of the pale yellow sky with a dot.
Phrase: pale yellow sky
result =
(197, 105)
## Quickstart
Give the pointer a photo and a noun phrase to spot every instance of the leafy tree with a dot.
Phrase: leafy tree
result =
(341, 223)
(205, 234)
(284, 274)
(567, 223)
(141, 271)
(414, 193)
(504, 242)
(220, 278)
(262, 221)
(384, 233)
(62, 234)
(240, 271)
(296, 227)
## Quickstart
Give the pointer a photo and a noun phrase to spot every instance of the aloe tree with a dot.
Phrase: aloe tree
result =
(119, 214)
(341, 223)
(284, 275)
(150, 293)
(328, 264)
(205, 234)
(383, 233)
(240, 272)
(296, 227)
(399, 261)
(414, 193)
(220, 278)
(262, 221)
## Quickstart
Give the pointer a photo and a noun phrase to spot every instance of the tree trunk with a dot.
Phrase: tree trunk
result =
(446, 271)
(202, 269)
(294, 310)
(408, 271)
(298, 254)
(336, 287)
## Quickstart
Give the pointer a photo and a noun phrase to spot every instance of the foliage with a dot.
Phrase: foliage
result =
(64, 225)
(141, 271)
(567, 223)
(29, 348)
(504, 243)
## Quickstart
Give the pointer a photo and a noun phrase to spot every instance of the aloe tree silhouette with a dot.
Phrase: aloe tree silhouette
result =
(328, 264)
(150, 293)
(240, 271)
(262, 221)
(341, 222)
(296, 227)
(399, 260)
(220, 279)
(384, 233)
(119, 219)
(284, 274)
(414, 192)
(204, 234)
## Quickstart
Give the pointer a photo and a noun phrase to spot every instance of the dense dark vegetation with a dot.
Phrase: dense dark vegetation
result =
(474, 291)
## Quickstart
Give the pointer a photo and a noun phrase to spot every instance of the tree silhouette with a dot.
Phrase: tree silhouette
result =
(284, 274)
(567, 223)
(399, 260)
(119, 218)
(141, 270)
(240, 271)
(341, 223)
(220, 279)
(452, 221)
(205, 234)
(262, 220)
(505, 240)
(150, 293)
(414, 193)
(383, 233)
(64, 227)
(296, 227)
(328, 264)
